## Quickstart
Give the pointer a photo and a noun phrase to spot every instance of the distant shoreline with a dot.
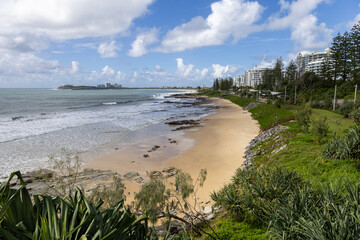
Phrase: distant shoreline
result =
(122, 88)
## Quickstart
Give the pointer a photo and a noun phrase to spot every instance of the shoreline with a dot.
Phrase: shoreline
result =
(218, 145)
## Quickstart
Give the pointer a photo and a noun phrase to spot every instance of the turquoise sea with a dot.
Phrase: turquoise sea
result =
(37, 123)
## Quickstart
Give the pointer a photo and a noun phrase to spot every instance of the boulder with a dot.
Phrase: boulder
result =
(131, 175)
(208, 210)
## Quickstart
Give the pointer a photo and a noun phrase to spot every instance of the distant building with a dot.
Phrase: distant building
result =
(239, 81)
(108, 85)
(312, 62)
(254, 77)
(101, 86)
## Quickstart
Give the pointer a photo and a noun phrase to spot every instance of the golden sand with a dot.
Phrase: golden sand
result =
(218, 146)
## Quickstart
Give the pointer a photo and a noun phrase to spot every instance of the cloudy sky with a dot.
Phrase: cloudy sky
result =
(144, 43)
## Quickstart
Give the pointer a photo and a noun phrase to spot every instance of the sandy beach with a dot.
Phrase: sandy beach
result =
(218, 146)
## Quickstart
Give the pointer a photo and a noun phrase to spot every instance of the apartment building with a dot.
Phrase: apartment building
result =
(254, 77)
(239, 81)
(312, 62)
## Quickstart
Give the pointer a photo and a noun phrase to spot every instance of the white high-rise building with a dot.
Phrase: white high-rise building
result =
(254, 77)
(312, 62)
(239, 81)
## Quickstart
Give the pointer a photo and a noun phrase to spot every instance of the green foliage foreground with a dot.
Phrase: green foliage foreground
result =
(290, 207)
(44, 217)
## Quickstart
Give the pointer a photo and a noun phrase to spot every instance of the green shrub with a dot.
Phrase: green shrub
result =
(345, 147)
(278, 102)
(254, 193)
(315, 104)
(355, 115)
(302, 117)
(291, 208)
(229, 229)
(320, 129)
(45, 217)
(345, 109)
(328, 213)
(328, 104)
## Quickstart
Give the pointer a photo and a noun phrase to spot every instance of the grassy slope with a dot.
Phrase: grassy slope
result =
(243, 102)
(303, 155)
(269, 115)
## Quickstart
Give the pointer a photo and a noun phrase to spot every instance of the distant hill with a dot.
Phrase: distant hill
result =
(102, 87)
(71, 87)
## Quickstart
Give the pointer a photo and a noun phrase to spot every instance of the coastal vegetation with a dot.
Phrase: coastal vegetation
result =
(302, 182)
(72, 217)
(292, 192)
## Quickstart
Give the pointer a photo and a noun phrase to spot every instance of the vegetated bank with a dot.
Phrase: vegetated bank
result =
(294, 188)
(289, 192)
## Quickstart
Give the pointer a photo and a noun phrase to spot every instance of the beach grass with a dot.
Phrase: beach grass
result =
(243, 102)
(211, 93)
(269, 115)
(229, 229)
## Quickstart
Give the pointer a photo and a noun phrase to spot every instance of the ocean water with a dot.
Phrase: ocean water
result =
(38, 123)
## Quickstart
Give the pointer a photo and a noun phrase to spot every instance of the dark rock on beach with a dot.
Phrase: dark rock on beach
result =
(183, 122)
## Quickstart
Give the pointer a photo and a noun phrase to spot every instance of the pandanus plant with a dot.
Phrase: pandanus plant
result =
(73, 217)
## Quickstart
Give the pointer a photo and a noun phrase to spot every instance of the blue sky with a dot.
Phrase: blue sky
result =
(149, 43)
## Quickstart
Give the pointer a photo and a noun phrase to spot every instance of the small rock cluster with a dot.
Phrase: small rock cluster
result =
(47, 182)
(263, 136)
(153, 149)
(166, 172)
(184, 124)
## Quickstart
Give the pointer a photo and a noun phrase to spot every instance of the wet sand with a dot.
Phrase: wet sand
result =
(218, 146)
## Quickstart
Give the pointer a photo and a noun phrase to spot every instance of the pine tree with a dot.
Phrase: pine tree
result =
(335, 56)
(325, 71)
(217, 84)
(299, 64)
(279, 65)
(345, 52)
(268, 79)
(355, 50)
(291, 71)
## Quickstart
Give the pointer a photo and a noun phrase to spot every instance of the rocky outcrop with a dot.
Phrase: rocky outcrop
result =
(49, 182)
(263, 136)
(184, 124)
(252, 105)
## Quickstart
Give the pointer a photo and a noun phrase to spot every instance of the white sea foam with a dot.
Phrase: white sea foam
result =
(26, 142)
(110, 103)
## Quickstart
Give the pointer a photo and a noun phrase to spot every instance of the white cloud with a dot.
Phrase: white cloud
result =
(27, 70)
(182, 69)
(305, 29)
(267, 63)
(309, 35)
(74, 67)
(143, 40)
(26, 25)
(223, 71)
(354, 21)
(26, 63)
(107, 71)
(108, 49)
(120, 76)
(234, 18)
